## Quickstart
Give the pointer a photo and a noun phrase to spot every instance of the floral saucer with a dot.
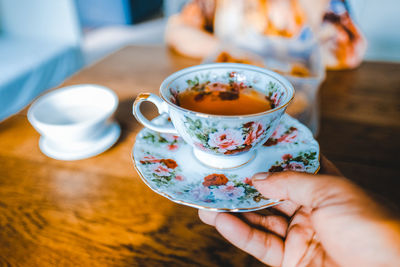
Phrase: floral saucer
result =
(167, 165)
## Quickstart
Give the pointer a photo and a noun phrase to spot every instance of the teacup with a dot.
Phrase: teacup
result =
(220, 141)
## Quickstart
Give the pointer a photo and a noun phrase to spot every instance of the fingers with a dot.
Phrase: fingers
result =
(208, 217)
(299, 245)
(300, 241)
(266, 247)
(273, 223)
(300, 188)
(287, 207)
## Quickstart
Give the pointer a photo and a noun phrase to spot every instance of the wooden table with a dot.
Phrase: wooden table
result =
(98, 212)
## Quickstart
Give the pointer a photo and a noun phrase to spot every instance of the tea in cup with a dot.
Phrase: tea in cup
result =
(225, 111)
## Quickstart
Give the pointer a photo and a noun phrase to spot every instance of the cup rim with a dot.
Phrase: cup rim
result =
(35, 121)
(279, 78)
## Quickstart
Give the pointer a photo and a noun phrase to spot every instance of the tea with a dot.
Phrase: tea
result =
(224, 99)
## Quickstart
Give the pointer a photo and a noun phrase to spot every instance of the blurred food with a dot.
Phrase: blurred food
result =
(343, 44)
(225, 57)
(200, 14)
(299, 70)
(296, 70)
(203, 24)
(188, 40)
(284, 18)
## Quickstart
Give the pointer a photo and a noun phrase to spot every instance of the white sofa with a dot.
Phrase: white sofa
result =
(39, 47)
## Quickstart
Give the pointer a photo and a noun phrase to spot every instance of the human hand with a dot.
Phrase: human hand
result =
(325, 221)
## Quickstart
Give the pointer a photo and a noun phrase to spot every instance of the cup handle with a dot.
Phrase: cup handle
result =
(162, 108)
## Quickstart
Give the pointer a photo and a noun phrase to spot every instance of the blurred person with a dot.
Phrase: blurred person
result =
(325, 220)
(201, 26)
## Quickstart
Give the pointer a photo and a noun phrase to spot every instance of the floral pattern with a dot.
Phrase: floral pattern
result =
(300, 163)
(225, 140)
(177, 175)
(274, 94)
(162, 171)
(218, 187)
(255, 133)
(283, 135)
(225, 136)
(170, 141)
(215, 187)
(174, 96)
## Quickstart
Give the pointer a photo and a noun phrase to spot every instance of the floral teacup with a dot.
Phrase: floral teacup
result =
(220, 141)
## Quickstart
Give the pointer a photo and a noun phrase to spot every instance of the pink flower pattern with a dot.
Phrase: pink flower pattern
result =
(150, 159)
(179, 178)
(274, 98)
(257, 130)
(169, 137)
(225, 140)
(201, 193)
(160, 169)
(295, 166)
(200, 146)
(228, 192)
(291, 163)
(282, 135)
(288, 138)
(170, 141)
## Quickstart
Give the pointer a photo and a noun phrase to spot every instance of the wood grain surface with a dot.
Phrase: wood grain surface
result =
(97, 211)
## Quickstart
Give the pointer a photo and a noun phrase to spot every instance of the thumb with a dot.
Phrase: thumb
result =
(301, 188)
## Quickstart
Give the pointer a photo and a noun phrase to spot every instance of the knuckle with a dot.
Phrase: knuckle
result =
(249, 239)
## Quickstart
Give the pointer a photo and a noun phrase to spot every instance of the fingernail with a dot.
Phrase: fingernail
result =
(260, 176)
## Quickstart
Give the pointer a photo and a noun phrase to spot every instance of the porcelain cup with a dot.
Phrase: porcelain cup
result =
(219, 141)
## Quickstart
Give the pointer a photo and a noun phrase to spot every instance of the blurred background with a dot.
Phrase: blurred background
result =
(44, 41)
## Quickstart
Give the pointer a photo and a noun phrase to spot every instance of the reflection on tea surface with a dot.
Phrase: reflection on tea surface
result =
(224, 99)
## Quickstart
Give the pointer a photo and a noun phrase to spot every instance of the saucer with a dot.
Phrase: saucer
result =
(81, 150)
(167, 165)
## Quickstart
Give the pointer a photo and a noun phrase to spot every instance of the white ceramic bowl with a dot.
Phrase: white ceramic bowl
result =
(74, 113)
